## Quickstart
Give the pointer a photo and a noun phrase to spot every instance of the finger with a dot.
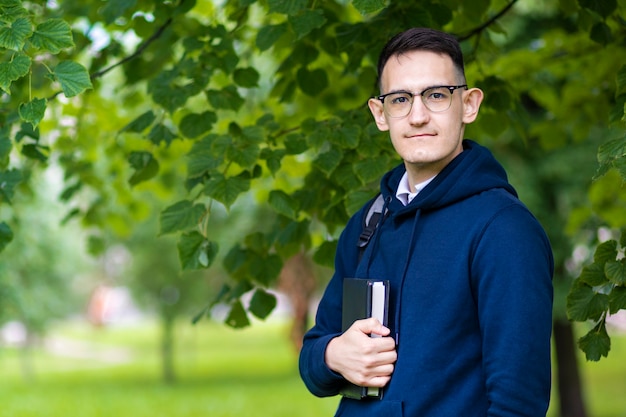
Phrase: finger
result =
(371, 326)
(383, 359)
(378, 381)
(386, 344)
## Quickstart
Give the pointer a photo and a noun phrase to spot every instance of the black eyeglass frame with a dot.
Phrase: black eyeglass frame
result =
(421, 94)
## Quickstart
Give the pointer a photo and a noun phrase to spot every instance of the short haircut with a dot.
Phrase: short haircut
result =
(422, 39)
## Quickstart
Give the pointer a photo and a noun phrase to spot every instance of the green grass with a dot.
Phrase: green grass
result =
(221, 373)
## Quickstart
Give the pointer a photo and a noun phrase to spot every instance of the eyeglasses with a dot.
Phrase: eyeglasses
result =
(436, 99)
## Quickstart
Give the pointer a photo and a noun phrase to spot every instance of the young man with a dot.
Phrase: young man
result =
(470, 268)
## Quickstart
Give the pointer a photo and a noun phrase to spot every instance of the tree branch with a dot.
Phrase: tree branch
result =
(488, 23)
(156, 35)
(142, 47)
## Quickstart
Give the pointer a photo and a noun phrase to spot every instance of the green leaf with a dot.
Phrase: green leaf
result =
(116, 8)
(593, 275)
(226, 190)
(305, 22)
(294, 234)
(14, 37)
(617, 299)
(328, 161)
(357, 199)
(603, 7)
(145, 166)
(33, 111)
(583, 303)
(53, 35)
(601, 33)
(289, 7)
(442, 15)
(168, 94)
(295, 144)
(27, 131)
(264, 269)
(195, 124)
(181, 216)
(195, 251)
(253, 134)
(73, 77)
(141, 123)
(237, 317)
(369, 6)
(596, 343)
(70, 191)
(5, 150)
(616, 272)
(227, 98)
(246, 77)
(13, 70)
(282, 203)
(497, 93)
(34, 151)
(312, 83)
(201, 157)
(161, 133)
(606, 251)
(258, 242)
(325, 254)
(273, 159)
(96, 245)
(262, 303)
(269, 35)
(11, 10)
(348, 136)
(243, 153)
(8, 181)
(234, 259)
(611, 150)
(369, 170)
(6, 235)
(621, 82)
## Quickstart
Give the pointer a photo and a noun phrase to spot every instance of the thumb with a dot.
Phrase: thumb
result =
(371, 326)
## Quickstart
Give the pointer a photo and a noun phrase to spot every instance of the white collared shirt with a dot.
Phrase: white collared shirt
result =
(404, 193)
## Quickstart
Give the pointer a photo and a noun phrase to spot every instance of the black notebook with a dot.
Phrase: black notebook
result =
(363, 298)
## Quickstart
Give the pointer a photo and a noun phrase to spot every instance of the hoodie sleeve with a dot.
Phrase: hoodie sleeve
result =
(318, 378)
(512, 274)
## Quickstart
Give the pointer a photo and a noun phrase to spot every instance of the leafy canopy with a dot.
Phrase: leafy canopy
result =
(263, 104)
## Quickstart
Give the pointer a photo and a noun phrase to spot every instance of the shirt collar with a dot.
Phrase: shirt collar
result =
(404, 193)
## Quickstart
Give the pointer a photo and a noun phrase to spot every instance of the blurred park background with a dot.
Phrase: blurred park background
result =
(174, 176)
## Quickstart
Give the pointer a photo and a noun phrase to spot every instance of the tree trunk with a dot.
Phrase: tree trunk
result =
(297, 282)
(167, 349)
(26, 358)
(569, 384)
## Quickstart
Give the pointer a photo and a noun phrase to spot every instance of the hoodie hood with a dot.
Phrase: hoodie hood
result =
(473, 171)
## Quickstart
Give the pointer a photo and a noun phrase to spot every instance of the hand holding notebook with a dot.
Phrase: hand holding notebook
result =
(363, 354)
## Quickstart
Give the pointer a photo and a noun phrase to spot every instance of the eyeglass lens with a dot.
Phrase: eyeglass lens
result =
(435, 99)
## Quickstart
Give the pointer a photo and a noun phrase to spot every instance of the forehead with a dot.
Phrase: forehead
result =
(417, 70)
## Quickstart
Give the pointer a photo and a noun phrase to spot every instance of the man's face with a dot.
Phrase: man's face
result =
(427, 141)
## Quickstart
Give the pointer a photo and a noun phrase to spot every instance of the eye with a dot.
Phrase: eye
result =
(399, 99)
(437, 94)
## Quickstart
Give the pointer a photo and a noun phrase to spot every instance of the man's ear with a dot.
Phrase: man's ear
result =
(471, 104)
(376, 107)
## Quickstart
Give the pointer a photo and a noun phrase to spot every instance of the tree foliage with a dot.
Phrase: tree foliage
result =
(263, 102)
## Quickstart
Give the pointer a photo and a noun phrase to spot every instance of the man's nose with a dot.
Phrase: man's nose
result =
(419, 114)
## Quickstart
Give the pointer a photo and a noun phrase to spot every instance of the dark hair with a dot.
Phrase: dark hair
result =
(423, 39)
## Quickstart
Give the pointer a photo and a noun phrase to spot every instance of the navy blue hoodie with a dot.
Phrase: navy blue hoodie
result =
(470, 301)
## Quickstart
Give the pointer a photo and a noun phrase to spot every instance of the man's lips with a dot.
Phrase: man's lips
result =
(420, 135)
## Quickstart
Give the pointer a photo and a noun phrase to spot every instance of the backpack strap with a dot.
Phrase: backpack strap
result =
(370, 223)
